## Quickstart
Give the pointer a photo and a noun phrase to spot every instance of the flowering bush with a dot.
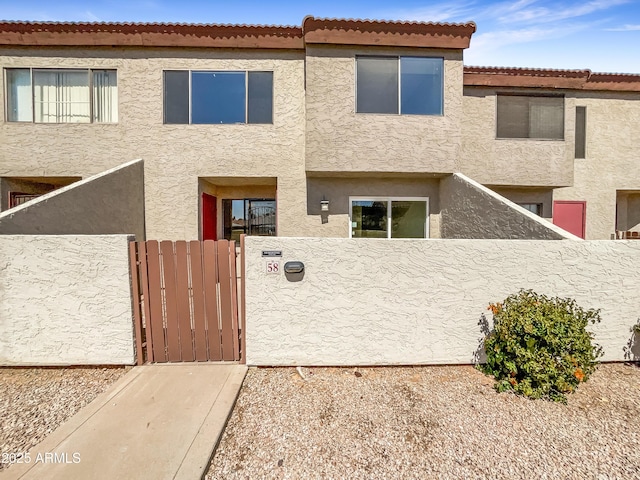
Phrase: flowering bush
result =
(539, 346)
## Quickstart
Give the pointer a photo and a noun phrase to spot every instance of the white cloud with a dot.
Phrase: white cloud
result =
(624, 28)
(439, 12)
(526, 11)
(91, 17)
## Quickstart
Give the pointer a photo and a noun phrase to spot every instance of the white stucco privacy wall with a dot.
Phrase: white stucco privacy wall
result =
(381, 302)
(65, 300)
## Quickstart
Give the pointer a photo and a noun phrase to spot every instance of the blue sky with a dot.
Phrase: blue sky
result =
(603, 35)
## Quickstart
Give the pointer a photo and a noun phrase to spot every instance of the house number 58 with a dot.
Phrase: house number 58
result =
(273, 266)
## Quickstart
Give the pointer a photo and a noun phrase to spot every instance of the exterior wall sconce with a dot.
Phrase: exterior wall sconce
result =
(324, 205)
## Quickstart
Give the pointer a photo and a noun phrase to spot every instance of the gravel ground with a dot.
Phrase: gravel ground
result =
(427, 422)
(35, 401)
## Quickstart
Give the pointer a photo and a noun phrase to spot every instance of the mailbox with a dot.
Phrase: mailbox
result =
(293, 267)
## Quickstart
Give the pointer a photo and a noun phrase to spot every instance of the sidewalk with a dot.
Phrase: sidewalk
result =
(156, 422)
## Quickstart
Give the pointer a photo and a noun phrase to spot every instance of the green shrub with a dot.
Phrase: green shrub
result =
(539, 346)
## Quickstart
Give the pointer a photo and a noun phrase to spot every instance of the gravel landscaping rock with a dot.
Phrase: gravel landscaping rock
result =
(35, 401)
(427, 422)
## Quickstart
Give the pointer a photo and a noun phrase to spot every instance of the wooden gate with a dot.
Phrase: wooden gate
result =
(186, 301)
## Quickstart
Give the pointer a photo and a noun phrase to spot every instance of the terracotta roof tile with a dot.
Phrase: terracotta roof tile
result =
(313, 30)
(550, 78)
(387, 33)
(149, 34)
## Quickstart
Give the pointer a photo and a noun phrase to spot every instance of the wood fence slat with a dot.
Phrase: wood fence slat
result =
(184, 309)
(155, 302)
(135, 294)
(197, 287)
(210, 267)
(171, 303)
(226, 311)
(144, 280)
(234, 299)
(243, 304)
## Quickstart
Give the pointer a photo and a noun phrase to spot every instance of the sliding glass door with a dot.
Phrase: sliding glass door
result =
(389, 217)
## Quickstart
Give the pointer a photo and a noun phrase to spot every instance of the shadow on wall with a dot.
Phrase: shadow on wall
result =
(632, 350)
(480, 356)
(338, 190)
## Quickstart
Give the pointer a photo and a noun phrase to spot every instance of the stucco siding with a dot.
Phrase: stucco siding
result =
(175, 155)
(612, 158)
(376, 302)
(340, 140)
(65, 300)
(108, 203)
(338, 191)
(470, 210)
(522, 162)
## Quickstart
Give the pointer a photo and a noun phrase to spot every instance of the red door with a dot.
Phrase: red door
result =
(571, 216)
(209, 217)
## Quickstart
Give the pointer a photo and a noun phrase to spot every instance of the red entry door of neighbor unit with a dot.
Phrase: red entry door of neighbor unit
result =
(571, 216)
(209, 217)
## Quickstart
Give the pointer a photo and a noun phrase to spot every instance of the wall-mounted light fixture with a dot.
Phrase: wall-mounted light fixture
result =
(324, 205)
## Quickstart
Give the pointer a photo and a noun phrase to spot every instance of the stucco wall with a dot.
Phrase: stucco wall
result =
(108, 203)
(524, 162)
(529, 195)
(376, 302)
(340, 140)
(470, 210)
(612, 158)
(338, 190)
(65, 300)
(175, 155)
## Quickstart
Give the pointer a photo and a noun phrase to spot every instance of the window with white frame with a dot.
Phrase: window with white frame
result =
(399, 85)
(384, 217)
(536, 117)
(61, 95)
(213, 97)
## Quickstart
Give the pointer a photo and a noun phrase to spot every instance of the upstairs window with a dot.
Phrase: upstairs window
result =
(61, 96)
(205, 97)
(530, 117)
(399, 85)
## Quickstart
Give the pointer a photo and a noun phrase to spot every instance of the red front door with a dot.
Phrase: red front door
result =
(209, 217)
(571, 216)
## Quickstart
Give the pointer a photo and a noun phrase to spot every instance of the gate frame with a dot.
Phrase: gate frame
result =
(225, 306)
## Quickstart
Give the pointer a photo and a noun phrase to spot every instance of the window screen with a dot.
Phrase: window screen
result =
(530, 117)
(260, 102)
(581, 132)
(19, 95)
(377, 85)
(176, 97)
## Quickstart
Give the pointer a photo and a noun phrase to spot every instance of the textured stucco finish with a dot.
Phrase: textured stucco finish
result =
(470, 210)
(612, 159)
(338, 191)
(65, 300)
(376, 302)
(109, 203)
(175, 155)
(525, 162)
(340, 140)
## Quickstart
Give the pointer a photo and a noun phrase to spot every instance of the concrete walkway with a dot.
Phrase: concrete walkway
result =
(156, 422)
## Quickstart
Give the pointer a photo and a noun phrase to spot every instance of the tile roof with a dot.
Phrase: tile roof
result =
(387, 33)
(549, 78)
(149, 35)
(313, 30)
